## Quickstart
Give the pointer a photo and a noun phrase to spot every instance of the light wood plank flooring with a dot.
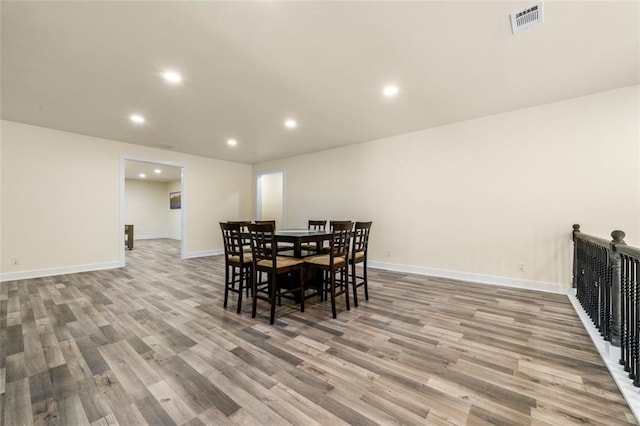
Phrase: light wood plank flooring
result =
(151, 344)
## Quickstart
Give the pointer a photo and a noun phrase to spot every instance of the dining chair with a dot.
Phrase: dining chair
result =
(246, 242)
(282, 246)
(326, 249)
(359, 248)
(315, 225)
(277, 268)
(244, 230)
(237, 262)
(334, 265)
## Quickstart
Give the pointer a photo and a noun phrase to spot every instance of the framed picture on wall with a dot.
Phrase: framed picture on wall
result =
(175, 200)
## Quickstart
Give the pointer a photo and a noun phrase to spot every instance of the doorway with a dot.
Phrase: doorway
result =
(270, 197)
(152, 199)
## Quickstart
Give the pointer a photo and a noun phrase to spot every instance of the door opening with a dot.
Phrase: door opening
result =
(153, 200)
(270, 197)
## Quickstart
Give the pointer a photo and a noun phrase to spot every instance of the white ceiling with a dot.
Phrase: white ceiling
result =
(85, 67)
(132, 170)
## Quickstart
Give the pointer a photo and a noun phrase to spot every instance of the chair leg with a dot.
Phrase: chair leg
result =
(344, 276)
(323, 286)
(226, 285)
(248, 287)
(333, 295)
(366, 281)
(240, 285)
(254, 286)
(301, 290)
(272, 293)
(353, 283)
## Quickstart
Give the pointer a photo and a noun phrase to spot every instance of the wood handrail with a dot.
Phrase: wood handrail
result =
(577, 234)
(627, 250)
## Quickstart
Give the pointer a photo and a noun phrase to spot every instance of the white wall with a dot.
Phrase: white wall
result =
(147, 208)
(475, 199)
(61, 199)
(471, 199)
(271, 197)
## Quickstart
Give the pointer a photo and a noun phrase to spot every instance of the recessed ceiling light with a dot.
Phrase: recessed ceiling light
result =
(290, 123)
(137, 118)
(390, 91)
(142, 175)
(172, 77)
(232, 142)
(157, 171)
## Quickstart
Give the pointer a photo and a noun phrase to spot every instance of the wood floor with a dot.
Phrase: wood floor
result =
(151, 344)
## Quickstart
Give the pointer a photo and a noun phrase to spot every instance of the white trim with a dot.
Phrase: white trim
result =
(203, 253)
(473, 277)
(64, 270)
(610, 355)
(184, 202)
(153, 237)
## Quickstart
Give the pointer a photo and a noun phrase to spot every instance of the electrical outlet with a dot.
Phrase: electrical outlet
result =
(521, 267)
(14, 260)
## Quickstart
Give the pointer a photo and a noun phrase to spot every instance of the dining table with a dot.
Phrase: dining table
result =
(297, 237)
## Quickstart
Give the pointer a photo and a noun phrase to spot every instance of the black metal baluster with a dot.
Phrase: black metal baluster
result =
(579, 274)
(624, 308)
(593, 286)
(634, 283)
(602, 292)
(633, 329)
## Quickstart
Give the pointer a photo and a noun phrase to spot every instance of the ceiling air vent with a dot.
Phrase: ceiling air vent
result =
(164, 145)
(526, 18)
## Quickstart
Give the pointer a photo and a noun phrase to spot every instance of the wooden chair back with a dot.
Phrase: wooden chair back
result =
(339, 222)
(360, 238)
(244, 230)
(232, 240)
(340, 239)
(264, 222)
(243, 224)
(263, 244)
(317, 225)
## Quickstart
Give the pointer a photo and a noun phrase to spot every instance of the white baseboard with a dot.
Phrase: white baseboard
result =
(475, 278)
(203, 253)
(49, 272)
(175, 237)
(150, 237)
(610, 355)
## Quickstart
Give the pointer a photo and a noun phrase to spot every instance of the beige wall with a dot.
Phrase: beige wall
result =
(147, 208)
(468, 200)
(475, 199)
(61, 195)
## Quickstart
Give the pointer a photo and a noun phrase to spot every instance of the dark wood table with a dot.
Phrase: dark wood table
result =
(299, 236)
(313, 279)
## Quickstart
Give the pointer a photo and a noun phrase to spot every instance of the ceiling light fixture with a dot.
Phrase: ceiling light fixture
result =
(232, 142)
(172, 77)
(157, 171)
(137, 118)
(290, 123)
(142, 175)
(390, 91)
